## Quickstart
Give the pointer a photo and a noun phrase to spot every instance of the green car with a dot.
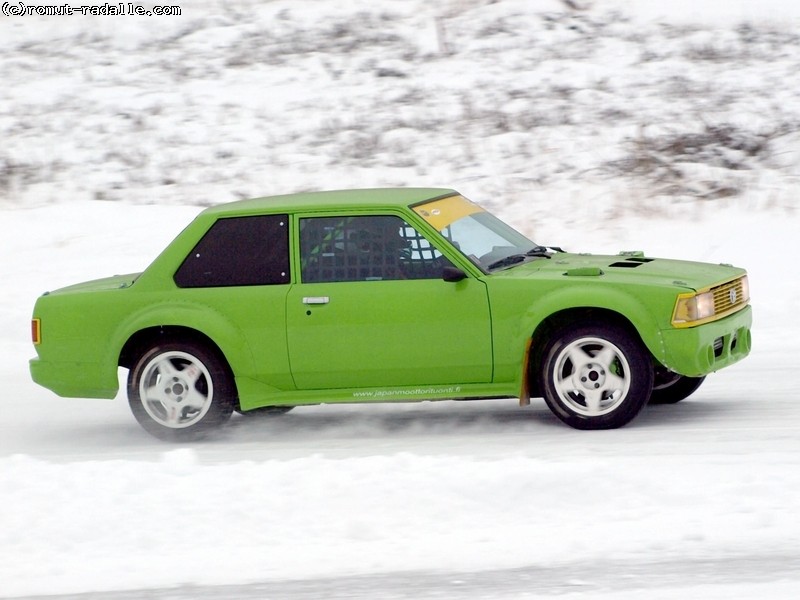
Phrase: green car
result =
(383, 296)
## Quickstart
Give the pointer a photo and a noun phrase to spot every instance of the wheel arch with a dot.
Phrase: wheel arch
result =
(145, 338)
(187, 322)
(561, 319)
(594, 371)
(186, 409)
(587, 300)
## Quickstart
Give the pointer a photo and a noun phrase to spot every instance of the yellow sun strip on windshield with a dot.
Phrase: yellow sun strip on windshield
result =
(440, 213)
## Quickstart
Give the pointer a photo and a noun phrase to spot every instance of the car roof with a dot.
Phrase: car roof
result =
(336, 199)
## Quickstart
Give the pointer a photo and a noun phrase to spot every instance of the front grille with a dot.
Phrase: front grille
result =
(729, 296)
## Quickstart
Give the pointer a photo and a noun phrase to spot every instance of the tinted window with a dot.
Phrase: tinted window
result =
(365, 249)
(239, 251)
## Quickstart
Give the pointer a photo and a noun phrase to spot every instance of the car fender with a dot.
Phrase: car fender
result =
(583, 297)
(196, 316)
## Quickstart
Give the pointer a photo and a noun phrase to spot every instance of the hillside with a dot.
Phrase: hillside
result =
(513, 102)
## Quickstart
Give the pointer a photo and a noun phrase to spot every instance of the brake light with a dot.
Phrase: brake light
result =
(36, 331)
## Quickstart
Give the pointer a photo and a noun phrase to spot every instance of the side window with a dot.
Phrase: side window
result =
(239, 251)
(365, 248)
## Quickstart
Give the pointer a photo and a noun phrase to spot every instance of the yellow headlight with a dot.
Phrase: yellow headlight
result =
(693, 307)
(746, 288)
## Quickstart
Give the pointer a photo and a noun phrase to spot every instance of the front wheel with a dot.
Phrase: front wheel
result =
(180, 391)
(674, 388)
(595, 376)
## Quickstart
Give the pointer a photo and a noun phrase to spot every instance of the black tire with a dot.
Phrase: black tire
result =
(670, 390)
(191, 391)
(595, 376)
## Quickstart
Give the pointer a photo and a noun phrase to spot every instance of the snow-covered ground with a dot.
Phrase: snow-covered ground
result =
(674, 133)
(90, 502)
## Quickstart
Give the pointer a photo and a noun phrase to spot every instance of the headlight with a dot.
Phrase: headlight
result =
(693, 307)
(710, 304)
(745, 289)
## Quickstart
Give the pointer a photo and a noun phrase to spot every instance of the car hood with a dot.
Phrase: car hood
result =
(627, 267)
(96, 285)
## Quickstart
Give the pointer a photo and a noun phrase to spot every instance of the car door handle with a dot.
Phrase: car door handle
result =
(316, 299)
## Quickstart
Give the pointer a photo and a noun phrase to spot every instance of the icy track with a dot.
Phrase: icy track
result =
(455, 500)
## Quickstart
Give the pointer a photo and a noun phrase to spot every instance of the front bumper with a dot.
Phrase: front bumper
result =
(698, 351)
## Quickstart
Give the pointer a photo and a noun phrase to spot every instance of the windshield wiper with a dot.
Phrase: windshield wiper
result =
(514, 259)
(538, 251)
(507, 261)
(543, 251)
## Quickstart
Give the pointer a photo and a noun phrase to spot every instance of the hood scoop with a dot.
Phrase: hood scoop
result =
(584, 272)
(631, 260)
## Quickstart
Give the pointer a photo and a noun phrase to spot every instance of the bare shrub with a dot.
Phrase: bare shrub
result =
(663, 159)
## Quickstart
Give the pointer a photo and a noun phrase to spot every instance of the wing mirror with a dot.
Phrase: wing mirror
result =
(453, 274)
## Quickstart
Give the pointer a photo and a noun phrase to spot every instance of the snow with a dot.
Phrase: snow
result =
(115, 142)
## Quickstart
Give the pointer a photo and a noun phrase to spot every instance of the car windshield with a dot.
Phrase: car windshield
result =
(483, 238)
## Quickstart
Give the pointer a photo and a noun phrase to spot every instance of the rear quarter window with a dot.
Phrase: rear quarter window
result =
(239, 251)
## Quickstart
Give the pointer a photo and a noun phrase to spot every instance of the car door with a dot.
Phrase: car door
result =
(371, 309)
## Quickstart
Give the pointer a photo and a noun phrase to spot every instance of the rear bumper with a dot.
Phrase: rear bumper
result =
(698, 351)
(74, 379)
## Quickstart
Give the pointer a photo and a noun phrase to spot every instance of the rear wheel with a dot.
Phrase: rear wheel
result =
(179, 391)
(595, 376)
